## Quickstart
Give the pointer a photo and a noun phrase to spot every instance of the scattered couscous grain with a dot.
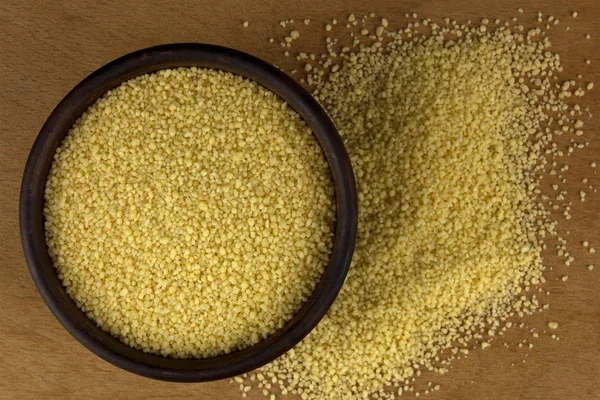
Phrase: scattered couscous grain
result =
(189, 212)
(446, 137)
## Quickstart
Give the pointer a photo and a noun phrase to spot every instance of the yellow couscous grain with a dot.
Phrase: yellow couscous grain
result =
(189, 212)
(447, 133)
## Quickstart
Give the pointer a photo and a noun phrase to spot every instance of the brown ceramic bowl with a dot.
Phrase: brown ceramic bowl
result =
(32, 220)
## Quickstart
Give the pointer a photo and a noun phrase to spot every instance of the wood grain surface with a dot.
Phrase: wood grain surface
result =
(47, 47)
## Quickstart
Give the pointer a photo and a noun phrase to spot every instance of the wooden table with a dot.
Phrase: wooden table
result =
(49, 46)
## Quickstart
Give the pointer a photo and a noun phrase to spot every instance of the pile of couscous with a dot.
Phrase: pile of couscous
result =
(189, 212)
(449, 127)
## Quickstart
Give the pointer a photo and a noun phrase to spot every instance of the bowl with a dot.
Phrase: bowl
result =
(31, 217)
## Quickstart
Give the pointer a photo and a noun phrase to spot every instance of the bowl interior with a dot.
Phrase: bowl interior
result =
(32, 221)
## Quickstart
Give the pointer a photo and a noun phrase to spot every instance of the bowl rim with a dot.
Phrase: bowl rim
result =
(32, 229)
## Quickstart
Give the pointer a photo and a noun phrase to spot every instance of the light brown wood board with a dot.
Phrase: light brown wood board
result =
(47, 47)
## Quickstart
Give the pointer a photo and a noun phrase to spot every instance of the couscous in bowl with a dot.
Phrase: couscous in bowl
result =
(32, 217)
